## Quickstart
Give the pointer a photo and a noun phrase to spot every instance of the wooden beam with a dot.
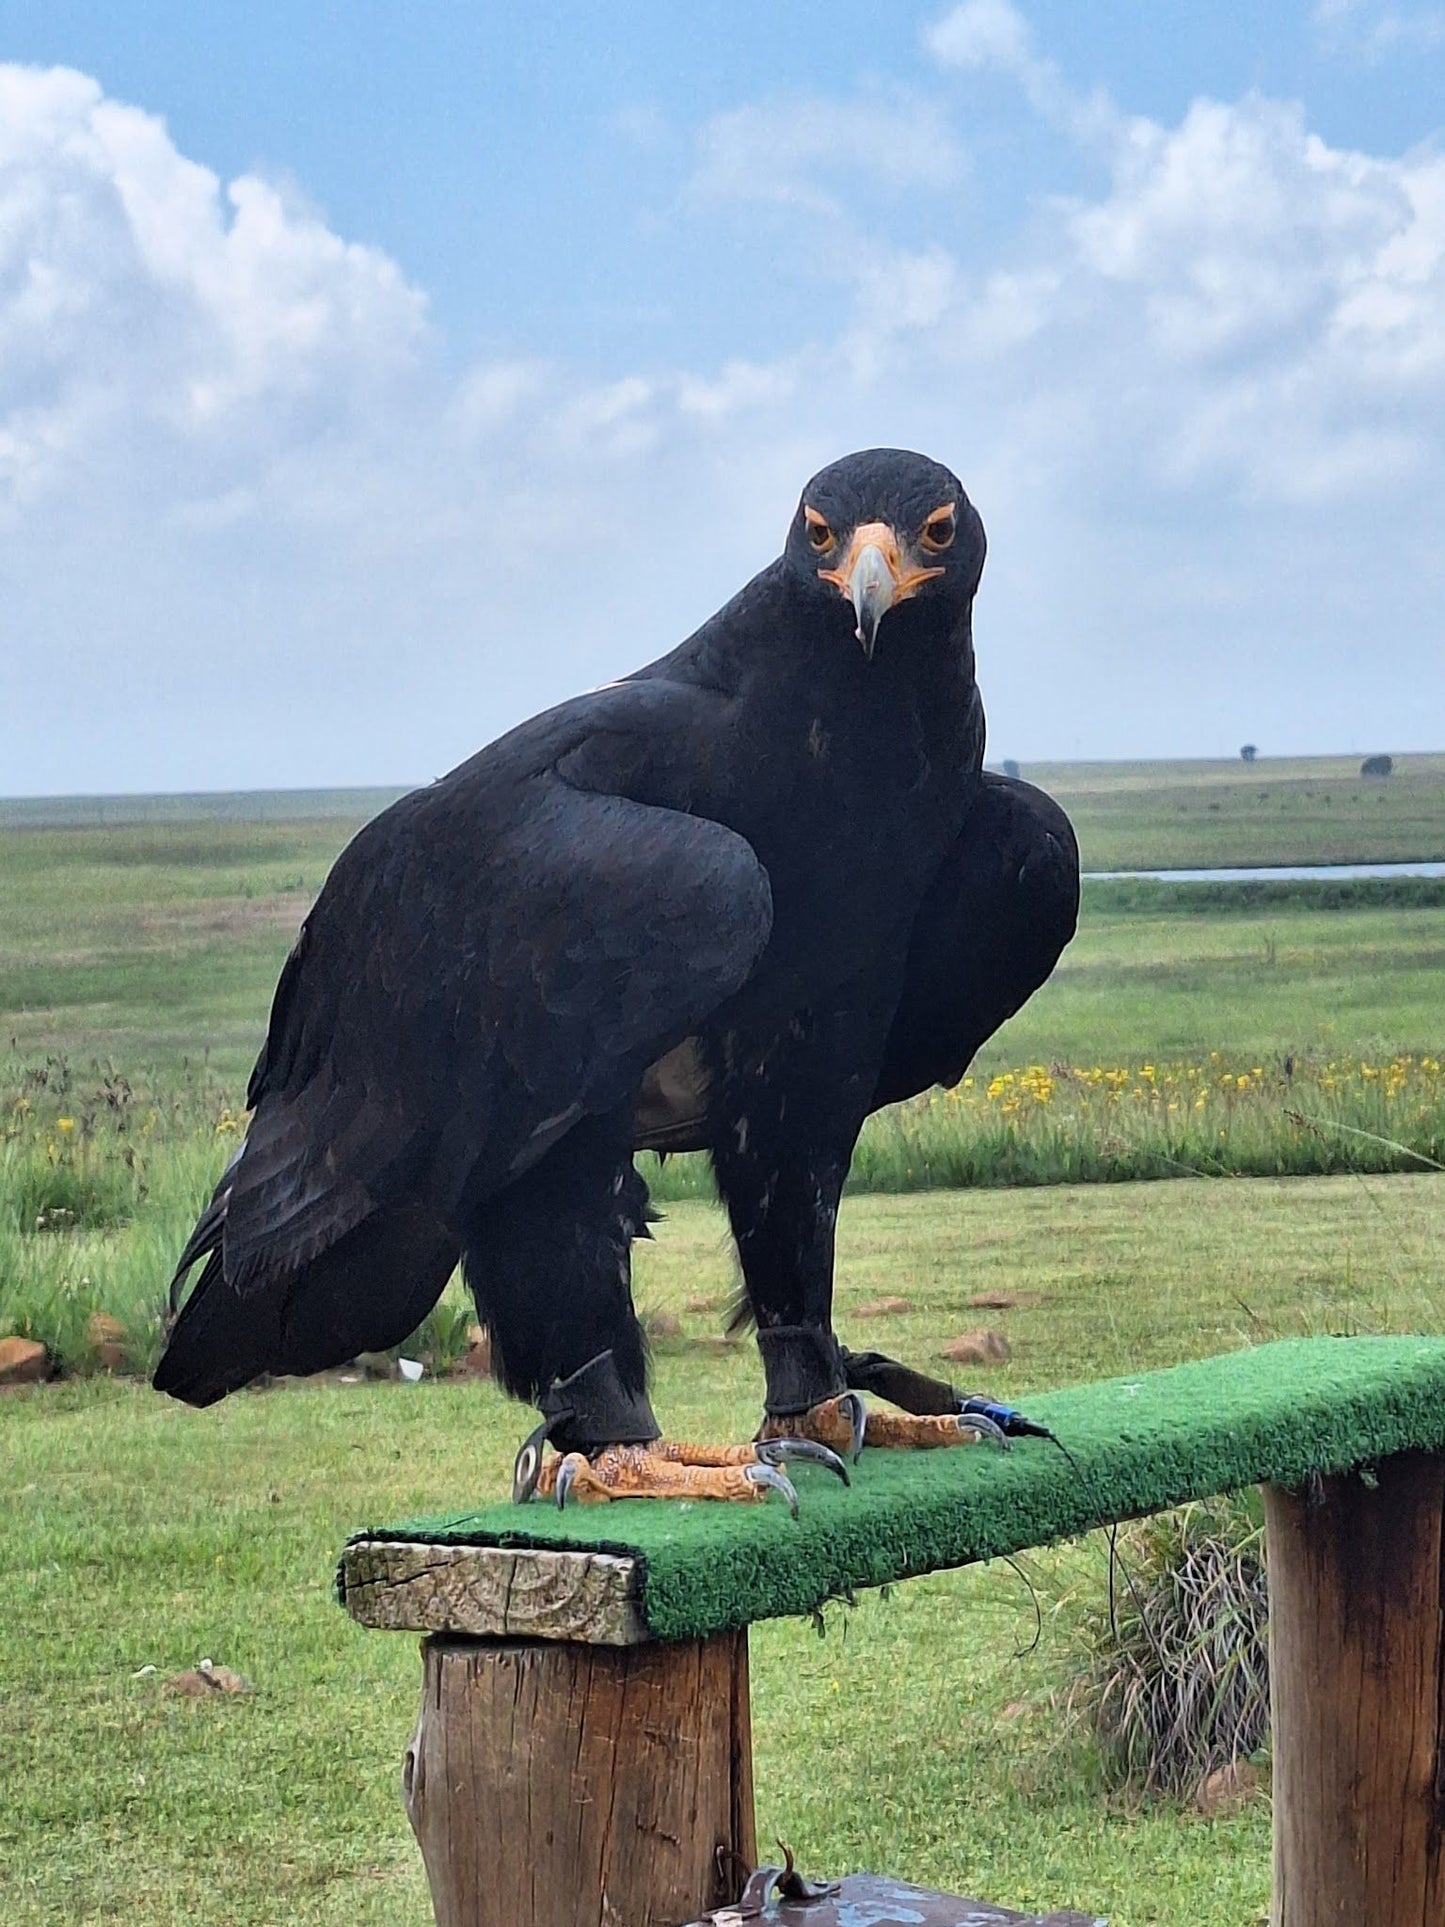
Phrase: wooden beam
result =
(1357, 1688)
(556, 1785)
(493, 1592)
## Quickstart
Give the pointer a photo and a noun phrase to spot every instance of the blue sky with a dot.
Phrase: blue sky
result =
(371, 375)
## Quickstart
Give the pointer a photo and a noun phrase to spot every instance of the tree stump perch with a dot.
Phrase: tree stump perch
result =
(565, 1785)
(1357, 1673)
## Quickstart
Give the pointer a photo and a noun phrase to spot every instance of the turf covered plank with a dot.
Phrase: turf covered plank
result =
(1272, 1413)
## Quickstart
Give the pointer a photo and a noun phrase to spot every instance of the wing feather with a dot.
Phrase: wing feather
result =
(489, 961)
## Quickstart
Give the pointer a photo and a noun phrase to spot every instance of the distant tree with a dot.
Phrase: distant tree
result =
(1249, 752)
(1010, 767)
(1377, 766)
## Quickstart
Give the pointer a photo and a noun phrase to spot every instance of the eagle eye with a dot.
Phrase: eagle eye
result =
(940, 529)
(819, 534)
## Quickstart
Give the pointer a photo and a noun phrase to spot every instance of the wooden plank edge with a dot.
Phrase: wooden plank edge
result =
(494, 1592)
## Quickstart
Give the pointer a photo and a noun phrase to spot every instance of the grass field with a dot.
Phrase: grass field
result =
(1318, 809)
(1269, 1038)
(155, 942)
(138, 948)
(1130, 816)
(138, 1534)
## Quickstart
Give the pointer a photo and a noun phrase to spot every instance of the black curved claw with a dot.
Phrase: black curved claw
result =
(770, 1476)
(856, 1412)
(566, 1477)
(986, 1428)
(527, 1466)
(803, 1451)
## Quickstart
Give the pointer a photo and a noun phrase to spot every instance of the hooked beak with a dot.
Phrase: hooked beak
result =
(873, 578)
(871, 589)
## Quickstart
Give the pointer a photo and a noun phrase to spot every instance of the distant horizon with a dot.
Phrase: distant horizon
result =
(40, 798)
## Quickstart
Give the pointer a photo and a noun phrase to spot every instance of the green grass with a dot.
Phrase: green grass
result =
(1070, 1124)
(157, 947)
(101, 1182)
(139, 944)
(137, 962)
(198, 806)
(1153, 984)
(153, 943)
(137, 1533)
(149, 931)
(1285, 810)
(1130, 815)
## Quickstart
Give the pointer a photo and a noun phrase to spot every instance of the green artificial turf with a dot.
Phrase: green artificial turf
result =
(1277, 1412)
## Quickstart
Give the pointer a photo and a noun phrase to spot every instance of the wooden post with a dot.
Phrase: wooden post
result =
(1356, 1679)
(556, 1784)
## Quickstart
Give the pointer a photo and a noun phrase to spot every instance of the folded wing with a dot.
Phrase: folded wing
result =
(490, 961)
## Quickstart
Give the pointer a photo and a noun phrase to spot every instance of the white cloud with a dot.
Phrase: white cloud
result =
(1355, 26)
(993, 36)
(493, 395)
(256, 532)
(985, 33)
(737, 386)
(152, 323)
(799, 153)
(1203, 411)
(1286, 297)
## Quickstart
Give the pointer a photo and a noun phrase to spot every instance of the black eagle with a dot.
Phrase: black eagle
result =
(733, 903)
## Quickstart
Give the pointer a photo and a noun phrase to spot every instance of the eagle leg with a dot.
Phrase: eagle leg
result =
(608, 1447)
(927, 1397)
(805, 1366)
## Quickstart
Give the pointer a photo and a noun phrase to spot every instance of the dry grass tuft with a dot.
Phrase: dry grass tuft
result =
(1175, 1683)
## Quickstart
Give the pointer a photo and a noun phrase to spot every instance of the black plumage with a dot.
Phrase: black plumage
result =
(734, 902)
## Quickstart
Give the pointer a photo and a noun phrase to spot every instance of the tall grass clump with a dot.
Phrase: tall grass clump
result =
(443, 1337)
(48, 1294)
(1174, 1682)
(101, 1178)
(1293, 1116)
(100, 1183)
(1222, 1117)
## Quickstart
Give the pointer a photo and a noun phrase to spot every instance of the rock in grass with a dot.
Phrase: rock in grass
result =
(199, 1682)
(981, 1347)
(374, 1365)
(661, 1324)
(1226, 1789)
(106, 1338)
(883, 1308)
(23, 1361)
(476, 1360)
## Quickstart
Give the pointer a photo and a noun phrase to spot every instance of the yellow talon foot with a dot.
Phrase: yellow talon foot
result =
(740, 1474)
(907, 1432)
(846, 1425)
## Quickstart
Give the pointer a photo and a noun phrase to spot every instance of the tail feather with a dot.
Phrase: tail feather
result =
(205, 1239)
(220, 1341)
(366, 1292)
